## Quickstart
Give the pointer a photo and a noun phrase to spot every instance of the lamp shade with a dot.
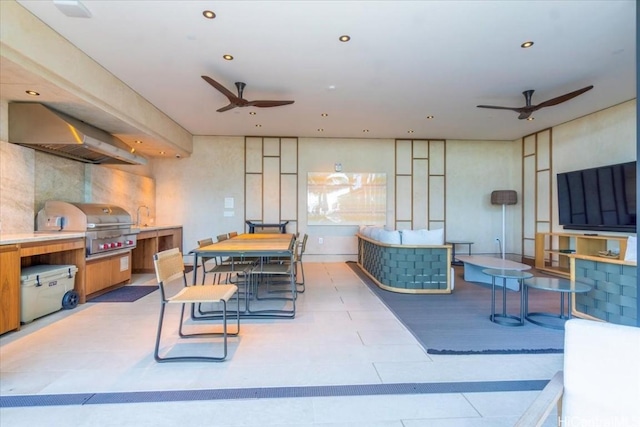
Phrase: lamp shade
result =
(504, 197)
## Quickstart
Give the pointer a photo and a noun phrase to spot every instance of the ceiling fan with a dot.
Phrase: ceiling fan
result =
(528, 109)
(239, 101)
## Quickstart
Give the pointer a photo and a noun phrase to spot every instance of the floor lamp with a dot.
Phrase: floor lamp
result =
(504, 198)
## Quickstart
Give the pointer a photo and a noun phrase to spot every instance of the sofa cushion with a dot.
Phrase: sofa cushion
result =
(375, 233)
(423, 237)
(390, 237)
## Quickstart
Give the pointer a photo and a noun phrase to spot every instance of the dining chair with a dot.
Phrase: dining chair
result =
(215, 266)
(267, 273)
(600, 381)
(301, 247)
(169, 267)
(233, 234)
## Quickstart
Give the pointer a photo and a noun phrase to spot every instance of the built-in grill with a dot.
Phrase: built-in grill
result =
(107, 227)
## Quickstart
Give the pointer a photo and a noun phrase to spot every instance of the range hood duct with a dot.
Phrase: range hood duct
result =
(42, 128)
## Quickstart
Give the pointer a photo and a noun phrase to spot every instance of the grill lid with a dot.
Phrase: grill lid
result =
(59, 216)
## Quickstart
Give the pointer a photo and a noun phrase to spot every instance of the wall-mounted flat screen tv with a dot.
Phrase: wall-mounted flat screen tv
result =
(602, 198)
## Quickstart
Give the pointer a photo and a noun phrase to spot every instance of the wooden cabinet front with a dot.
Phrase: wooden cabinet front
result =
(9, 288)
(150, 242)
(106, 273)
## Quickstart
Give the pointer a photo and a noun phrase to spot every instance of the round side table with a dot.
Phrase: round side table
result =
(552, 284)
(504, 318)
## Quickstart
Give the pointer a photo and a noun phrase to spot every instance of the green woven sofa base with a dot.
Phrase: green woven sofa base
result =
(614, 297)
(408, 269)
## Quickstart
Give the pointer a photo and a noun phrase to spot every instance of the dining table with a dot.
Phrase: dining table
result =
(252, 253)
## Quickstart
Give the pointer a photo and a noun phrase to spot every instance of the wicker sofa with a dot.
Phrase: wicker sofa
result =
(405, 267)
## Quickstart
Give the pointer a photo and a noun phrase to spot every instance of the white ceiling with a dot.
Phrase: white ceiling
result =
(406, 60)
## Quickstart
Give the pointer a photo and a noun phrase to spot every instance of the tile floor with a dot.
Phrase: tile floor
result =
(342, 335)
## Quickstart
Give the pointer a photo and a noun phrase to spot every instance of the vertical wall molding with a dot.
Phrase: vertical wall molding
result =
(271, 180)
(420, 171)
(537, 182)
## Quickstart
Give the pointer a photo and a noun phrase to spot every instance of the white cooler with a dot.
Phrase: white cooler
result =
(43, 289)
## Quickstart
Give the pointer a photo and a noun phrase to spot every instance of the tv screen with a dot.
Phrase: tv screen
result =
(602, 198)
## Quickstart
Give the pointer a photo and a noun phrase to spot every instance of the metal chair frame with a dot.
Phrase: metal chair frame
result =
(169, 267)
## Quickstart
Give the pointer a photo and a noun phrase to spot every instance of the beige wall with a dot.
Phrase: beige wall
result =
(191, 191)
(606, 137)
(474, 170)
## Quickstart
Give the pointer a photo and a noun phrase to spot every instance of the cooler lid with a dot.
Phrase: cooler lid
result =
(44, 270)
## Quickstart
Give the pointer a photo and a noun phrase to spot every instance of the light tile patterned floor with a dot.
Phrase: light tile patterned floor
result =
(342, 335)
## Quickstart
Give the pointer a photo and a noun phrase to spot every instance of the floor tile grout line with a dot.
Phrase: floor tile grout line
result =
(81, 399)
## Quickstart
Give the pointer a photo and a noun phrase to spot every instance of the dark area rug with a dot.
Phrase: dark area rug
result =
(125, 294)
(458, 323)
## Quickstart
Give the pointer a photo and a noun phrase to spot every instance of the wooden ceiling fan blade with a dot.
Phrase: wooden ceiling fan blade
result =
(227, 108)
(265, 103)
(563, 98)
(495, 107)
(226, 92)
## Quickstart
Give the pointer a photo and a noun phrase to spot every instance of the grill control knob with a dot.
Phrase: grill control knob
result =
(101, 246)
(128, 242)
(119, 244)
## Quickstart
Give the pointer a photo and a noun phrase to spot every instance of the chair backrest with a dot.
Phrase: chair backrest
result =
(169, 266)
(302, 246)
(205, 242)
(601, 373)
(233, 234)
(222, 237)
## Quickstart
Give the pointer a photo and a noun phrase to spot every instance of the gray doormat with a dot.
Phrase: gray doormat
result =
(125, 294)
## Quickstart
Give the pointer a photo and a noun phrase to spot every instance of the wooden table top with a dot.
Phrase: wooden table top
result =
(249, 244)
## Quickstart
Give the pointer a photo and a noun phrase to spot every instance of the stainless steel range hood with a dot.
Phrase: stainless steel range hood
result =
(42, 128)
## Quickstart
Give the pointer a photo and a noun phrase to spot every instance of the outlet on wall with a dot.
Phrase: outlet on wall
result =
(320, 240)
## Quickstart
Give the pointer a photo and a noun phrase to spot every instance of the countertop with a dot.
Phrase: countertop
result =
(153, 228)
(13, 238)
(7, 239)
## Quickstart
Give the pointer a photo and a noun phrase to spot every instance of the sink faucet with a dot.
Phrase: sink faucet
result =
(138, 214)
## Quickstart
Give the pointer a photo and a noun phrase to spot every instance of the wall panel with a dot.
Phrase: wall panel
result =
(271, 166)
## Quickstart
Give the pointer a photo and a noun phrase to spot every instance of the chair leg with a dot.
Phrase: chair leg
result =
(156, 354)
(300, 285)
(225, 334)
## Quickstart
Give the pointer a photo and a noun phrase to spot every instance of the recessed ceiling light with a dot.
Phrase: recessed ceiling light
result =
(410, 131)
(320, 130)
(526, 44)
(32, 93)
(162, 152)
(530, 118)
(365, 130)
(208, 14)
(258, 125)
(344, 38)
(324, 115)
(137, 141)
(228, 57)
(252, 113)
(429, 117)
